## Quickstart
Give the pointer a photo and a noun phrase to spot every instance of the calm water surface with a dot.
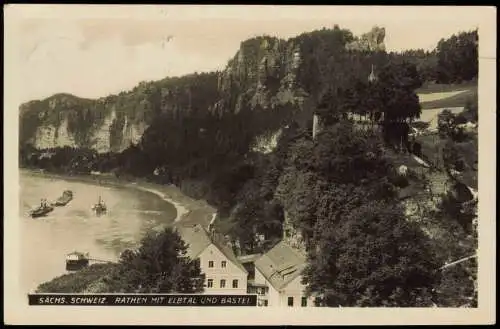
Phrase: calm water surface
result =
(45, 241)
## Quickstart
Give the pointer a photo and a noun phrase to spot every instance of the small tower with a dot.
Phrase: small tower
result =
(315, 125)
(211, 225)
(372, 77)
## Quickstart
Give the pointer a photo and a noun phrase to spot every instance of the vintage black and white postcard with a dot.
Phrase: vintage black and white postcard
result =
(249, 164)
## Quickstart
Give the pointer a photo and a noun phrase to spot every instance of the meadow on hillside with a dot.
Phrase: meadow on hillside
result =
(434, 96)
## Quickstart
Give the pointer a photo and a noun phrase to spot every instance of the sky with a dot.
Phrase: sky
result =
(92, 51)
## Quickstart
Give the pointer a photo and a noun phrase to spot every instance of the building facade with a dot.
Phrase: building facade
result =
(224, 274)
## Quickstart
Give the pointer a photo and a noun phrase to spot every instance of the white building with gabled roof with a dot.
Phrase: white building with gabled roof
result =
(224, 274)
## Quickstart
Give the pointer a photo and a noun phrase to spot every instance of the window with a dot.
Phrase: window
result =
(223, 264)
(265, 303)
(235, 283)
(304, 302)
(290, 301)
(210, 283)
(210, 263)
(223, 283)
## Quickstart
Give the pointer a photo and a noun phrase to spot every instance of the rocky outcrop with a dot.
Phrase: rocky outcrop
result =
(75, 132)
(263, 72)
(371, 41)
(266, 73)
(292, 236)
(267, 143)
(49, 136)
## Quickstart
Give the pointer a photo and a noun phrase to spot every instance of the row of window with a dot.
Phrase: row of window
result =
(222, 283)
(259, 290)
(223, 264)
(303, 301)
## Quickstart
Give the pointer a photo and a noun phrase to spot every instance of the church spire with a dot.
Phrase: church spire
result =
(372, 77)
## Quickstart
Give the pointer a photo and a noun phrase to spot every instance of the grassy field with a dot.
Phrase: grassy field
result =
(430, 88)
(457, 100)
(441, 96)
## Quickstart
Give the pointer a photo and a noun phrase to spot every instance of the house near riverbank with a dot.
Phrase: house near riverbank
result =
(224, 274)
(276, 275)
(277, 278)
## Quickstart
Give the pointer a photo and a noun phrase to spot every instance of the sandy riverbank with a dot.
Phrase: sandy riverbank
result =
(189, 211)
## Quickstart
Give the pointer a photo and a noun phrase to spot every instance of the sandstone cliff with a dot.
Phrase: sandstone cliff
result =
(266, 74)
(371, 41)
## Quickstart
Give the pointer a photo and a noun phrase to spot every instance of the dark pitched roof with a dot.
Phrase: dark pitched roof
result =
(281, 265)
(198, 239)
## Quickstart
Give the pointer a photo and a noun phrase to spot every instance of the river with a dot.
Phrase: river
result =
(45, 241)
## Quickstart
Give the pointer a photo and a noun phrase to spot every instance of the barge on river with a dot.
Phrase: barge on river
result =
(63, 200)
(42, 210)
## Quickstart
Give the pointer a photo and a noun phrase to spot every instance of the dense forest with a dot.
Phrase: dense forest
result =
(340, 189)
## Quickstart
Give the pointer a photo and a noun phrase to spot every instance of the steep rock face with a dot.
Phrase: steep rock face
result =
(131, 133)
(262, 74)
(371, 41)
(266, 74)
(49, 136)
(45, 136)
(114, 122)
(102, 137)
(78, 124)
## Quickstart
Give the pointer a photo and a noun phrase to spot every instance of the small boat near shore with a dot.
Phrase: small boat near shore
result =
(42, 210)
(63, 200)
(76, 261)
(100, 207)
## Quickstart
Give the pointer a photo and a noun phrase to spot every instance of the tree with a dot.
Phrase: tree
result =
(343, 155)
(298, 193)
(458, 58)
(457, 239)
(458, 209)
(372, 257)
(449, 126)
(451, 156)
(457, 286)
(159, 265)
(343, 167)
(397, 83)
(471, 109)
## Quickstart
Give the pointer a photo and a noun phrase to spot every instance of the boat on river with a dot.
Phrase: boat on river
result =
(63, 200)
(76, 261)
(100, 207)
(42, 210)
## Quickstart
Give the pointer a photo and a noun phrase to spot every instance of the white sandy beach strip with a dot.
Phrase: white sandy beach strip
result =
(181, 210)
